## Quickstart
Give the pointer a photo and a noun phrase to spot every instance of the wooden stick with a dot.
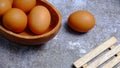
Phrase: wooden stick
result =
(85, 65)
(118, 67)
(105, 57)
(111, 47)
(95, 52)
(113, 62)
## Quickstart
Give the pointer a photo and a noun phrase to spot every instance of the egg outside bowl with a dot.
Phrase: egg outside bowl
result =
(27, 38)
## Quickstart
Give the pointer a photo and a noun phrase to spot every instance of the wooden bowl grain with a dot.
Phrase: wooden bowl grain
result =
(27, 38)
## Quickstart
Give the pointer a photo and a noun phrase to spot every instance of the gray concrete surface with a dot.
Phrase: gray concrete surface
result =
(68, 45)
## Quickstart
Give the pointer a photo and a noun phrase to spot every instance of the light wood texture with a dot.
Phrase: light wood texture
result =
(80, 62)
(111, 47)
(118, 67)
(85, 65)
(105, 57)
(113, 62)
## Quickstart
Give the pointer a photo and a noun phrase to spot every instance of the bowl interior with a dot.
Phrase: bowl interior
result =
(27, 33)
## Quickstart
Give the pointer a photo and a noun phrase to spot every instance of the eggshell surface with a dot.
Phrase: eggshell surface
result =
(39, 19)
(25, 5)
(81, 21)
(15, 20)
(5, 5)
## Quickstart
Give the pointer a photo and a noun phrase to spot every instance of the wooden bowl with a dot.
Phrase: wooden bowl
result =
(27, 38)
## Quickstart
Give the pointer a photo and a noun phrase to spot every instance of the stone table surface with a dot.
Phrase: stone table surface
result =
(67, 46)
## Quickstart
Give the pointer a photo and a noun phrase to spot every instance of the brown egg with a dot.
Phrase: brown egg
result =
(5, 5)
(25, 5)
(81, 21)
(39, 19)
(15, 20)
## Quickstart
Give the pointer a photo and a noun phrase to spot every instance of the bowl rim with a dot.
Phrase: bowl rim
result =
(37, 36)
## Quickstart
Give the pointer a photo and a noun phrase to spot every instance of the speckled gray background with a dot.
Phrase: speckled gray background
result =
(67, 46)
